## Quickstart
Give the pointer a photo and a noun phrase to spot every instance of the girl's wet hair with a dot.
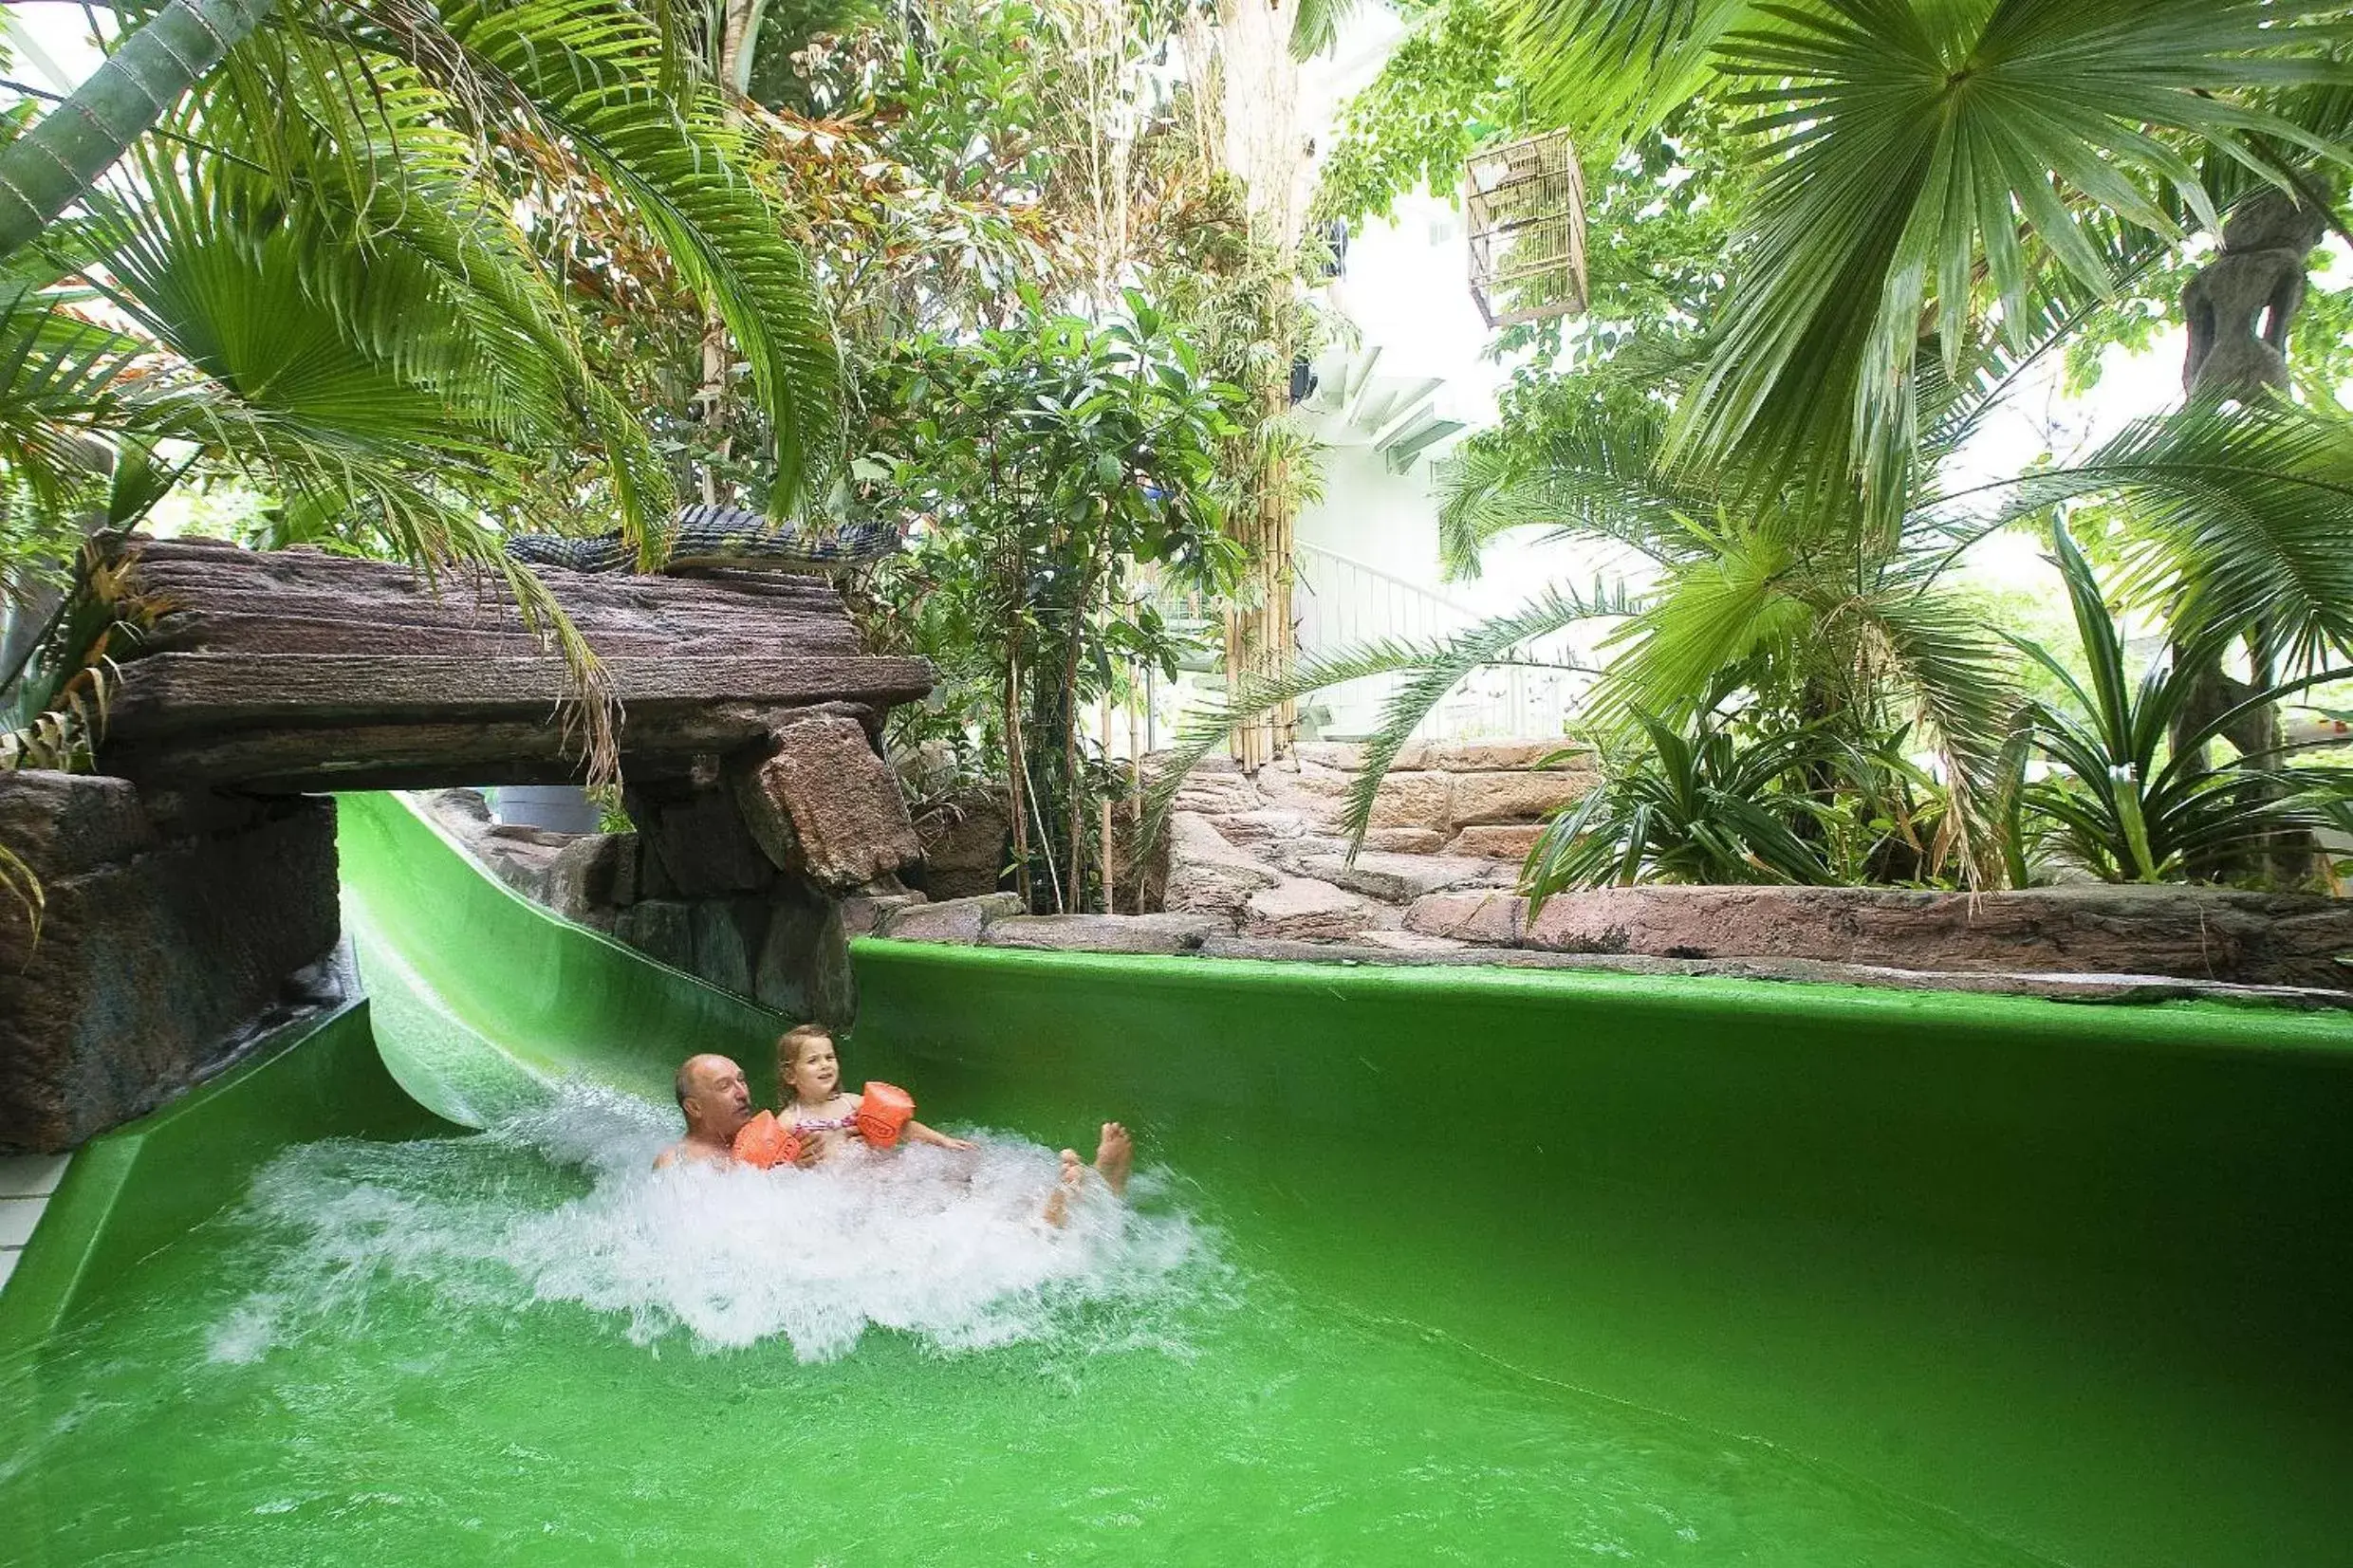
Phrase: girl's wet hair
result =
(788, 1045)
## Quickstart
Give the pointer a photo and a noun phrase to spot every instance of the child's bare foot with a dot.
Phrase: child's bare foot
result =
(1114, 1156)
(1066, 1186)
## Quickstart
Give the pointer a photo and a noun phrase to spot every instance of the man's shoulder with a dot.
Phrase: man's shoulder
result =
(687, 1148)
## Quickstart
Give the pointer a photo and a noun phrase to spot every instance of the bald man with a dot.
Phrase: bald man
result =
(717, 1102)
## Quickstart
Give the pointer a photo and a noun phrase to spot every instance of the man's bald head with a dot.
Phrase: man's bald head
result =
(712, 1094)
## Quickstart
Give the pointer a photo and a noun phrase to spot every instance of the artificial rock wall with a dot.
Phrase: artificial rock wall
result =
(736, 873)
(177, 930)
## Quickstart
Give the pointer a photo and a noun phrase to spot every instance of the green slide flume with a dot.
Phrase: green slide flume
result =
(1422, 1266)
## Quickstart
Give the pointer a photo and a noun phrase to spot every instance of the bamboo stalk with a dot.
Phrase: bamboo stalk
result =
(1111, 902)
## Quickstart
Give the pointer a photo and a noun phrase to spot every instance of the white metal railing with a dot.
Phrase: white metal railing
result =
(1341, 602)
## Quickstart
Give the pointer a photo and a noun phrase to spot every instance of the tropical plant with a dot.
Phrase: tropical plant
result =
(319, 269)
(1047, 465)
(412, 123)
(1695, 803)
(54, 713)
(2137, 804)
(1934, 196)
(1826, 620)
(1926, 167)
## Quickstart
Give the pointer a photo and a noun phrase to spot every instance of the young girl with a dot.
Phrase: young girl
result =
(809, 1073)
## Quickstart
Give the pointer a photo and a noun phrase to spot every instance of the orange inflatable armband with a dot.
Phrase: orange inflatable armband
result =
(883, 1112)
(765, 1143)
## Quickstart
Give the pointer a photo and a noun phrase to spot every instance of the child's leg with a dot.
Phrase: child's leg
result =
(1115, 1157)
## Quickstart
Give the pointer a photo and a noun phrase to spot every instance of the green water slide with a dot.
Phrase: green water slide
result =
(477, 1000)
(1511, 1267)
(480, 996)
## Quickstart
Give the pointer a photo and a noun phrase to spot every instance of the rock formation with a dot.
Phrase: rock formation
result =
(1269, 856)
(177, 929)
(185, 889)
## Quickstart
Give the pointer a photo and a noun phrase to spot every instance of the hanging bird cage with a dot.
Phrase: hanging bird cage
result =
(1526, 202)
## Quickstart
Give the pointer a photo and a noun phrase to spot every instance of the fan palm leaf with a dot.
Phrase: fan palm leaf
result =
(1916, 152)
(2242, 517)
(1617, 67)
(340, 380)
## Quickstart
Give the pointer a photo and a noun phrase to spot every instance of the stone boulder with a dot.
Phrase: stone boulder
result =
(1496, 840)
(1493, 919)
(868, 910)
(1303, 908)
(801, 965)
(65, 822)
(1500, 756)
(1207, 873)
(2186, 932)
(823, 805)
(964, 845)
(1397, 879)
(701, 840)
(1415, 799)
(1480, 798)
(1138, 933)
(1409, 841)
(1218, 791)
(958, 921)
(1269, 825)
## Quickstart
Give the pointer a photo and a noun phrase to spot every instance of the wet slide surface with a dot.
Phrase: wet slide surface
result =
(1422, 1267)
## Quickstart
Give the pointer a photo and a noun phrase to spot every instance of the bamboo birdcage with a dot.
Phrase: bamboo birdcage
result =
(1526, 203)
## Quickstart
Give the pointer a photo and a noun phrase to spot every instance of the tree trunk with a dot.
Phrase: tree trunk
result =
(2286, 859)
(1014, 803)
(1076, 802)
(1264, 145)
(736, 43)
(2239, 307)
(56, 162)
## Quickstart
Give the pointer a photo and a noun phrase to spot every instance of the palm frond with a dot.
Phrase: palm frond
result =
(1205, 729)
(1938, 654)
(1500, 640)
(590, 70)
(2242, 516)
(1437, 666)
(1587, 472)
(22, 883)
(1613, 68)
(1742, 598)
(1315, 25)
(1917, 150)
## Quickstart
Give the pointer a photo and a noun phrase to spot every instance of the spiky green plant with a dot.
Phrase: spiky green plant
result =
(1692, 803)
(2134, 804)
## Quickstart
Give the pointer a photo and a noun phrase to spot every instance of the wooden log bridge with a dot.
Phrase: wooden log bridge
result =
(294, 671)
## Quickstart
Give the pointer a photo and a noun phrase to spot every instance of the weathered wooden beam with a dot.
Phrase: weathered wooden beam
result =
(294, 671)
(176, 693)
(221, 630)
(284, 760)
(221, 598)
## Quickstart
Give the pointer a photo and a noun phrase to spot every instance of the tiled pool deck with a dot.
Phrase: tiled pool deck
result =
(25, 1183)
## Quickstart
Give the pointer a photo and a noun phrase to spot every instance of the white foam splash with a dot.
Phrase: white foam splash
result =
(947, 1245)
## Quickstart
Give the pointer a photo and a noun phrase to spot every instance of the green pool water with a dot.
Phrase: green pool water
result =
(1487, 1268)
(236, 1406)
